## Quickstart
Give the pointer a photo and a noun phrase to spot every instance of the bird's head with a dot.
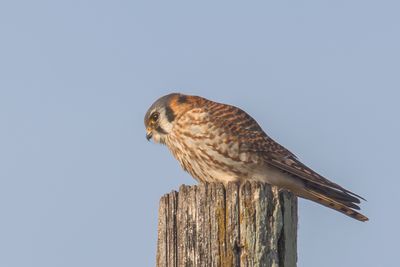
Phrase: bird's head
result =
(162, 115)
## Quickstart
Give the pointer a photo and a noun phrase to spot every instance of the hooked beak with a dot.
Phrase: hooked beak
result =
(149, 135)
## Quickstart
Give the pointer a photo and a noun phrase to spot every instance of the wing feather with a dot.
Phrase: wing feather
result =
(295, 167)
(252, 138)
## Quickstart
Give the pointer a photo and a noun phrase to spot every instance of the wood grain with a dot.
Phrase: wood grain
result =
(241, 226)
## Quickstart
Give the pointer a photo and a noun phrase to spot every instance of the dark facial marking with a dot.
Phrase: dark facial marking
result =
(160, 130)
(170, 114)
(182, 99)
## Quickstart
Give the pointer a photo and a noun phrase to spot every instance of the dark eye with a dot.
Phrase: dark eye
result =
(154, 116)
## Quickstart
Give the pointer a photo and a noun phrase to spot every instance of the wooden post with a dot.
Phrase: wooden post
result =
(210, 225)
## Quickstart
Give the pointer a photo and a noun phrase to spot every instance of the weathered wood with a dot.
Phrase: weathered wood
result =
(209, 225)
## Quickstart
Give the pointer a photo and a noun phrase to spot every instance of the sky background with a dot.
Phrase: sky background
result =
(79, 183)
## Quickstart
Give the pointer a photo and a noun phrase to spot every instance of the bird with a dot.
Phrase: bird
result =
(221, 143)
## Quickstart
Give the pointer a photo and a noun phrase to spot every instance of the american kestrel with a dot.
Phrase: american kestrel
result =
(216, 142)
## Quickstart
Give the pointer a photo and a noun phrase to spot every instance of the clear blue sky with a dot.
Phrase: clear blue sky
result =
(79, 183)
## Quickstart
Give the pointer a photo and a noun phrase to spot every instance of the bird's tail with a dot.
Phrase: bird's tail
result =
(338, 200)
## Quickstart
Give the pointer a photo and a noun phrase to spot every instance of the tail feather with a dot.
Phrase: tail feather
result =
(339, 196)
(345, 207)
